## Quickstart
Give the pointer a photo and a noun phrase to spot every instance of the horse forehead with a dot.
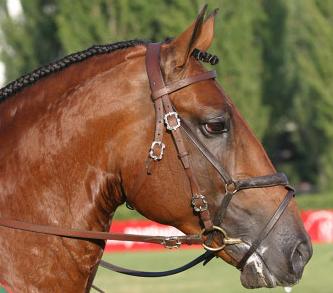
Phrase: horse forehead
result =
(208, 92)
(202, 97)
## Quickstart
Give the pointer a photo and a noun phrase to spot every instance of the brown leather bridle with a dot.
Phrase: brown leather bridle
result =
(167, 112)
(167, 116)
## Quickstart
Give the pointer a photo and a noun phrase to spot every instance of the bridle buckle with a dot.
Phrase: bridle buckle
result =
(167, 123)
(152, 153)
(199, 207)
(171, 242)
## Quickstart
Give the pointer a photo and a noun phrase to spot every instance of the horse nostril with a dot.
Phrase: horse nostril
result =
(300, 256)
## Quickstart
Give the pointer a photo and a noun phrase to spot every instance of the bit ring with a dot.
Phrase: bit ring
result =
(226, 239)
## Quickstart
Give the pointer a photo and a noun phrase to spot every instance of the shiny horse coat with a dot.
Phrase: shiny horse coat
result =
(74, 147)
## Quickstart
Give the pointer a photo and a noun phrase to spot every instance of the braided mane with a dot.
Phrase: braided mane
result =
(31, 78)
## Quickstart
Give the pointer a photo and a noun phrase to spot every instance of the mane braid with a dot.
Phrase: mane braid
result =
(30, 78)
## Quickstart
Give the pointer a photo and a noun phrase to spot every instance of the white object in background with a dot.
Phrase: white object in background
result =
(288, 289)
(14, 8)
(2, 74)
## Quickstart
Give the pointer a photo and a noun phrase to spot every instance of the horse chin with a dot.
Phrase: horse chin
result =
(255, 273)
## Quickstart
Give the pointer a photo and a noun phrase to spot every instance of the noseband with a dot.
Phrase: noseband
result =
(167, 116)
(166, 112)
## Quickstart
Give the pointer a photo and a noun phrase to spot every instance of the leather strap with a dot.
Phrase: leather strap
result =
(262, 181)
(174, 241)
(170, 88)
(156, 151)
(205, 257)
(252, 182)
(206, 153)
(268, 228)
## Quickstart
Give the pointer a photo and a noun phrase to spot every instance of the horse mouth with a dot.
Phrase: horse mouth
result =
(255, 273)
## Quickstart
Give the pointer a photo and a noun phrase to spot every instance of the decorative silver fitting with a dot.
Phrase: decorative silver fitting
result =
(152, 154)
(203, 206)
(171, 242)
(166, 120)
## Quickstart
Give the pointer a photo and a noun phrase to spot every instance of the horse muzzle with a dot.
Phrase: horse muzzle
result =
(257, 272)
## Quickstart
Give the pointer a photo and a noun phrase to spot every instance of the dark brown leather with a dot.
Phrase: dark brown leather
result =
(206, 153)
(269, 226)
(170, 88)
(262, 181)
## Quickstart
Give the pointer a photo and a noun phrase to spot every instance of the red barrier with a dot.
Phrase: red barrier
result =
(141, 227)
(319, 225)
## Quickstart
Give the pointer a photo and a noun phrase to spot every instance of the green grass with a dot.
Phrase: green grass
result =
(217, 276)
(315, 201)
(123, 213)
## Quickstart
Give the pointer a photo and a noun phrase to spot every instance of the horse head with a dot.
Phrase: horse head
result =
(165, 195)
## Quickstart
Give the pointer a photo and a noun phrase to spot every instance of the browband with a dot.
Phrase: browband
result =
(177, 85)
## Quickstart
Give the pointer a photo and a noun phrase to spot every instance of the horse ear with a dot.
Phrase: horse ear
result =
(198, 35)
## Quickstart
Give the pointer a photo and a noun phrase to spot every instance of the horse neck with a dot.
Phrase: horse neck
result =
(57, 160)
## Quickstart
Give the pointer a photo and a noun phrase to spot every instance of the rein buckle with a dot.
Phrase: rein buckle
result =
(171, 242)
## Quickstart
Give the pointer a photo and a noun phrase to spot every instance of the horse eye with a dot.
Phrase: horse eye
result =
(216, 127)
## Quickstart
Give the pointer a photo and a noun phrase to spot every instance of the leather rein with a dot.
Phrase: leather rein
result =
(212, 237)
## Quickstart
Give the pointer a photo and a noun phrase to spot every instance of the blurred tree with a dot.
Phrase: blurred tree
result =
(82, 23)
(238, 44)
(30, 39)
(106, 21)
(140, 19)
(310, 64)
(299, 66)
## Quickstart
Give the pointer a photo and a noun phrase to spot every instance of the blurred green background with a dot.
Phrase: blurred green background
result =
(277, 61)
(276, 65)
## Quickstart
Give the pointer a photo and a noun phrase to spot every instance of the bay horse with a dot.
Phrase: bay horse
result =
(75, 137)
